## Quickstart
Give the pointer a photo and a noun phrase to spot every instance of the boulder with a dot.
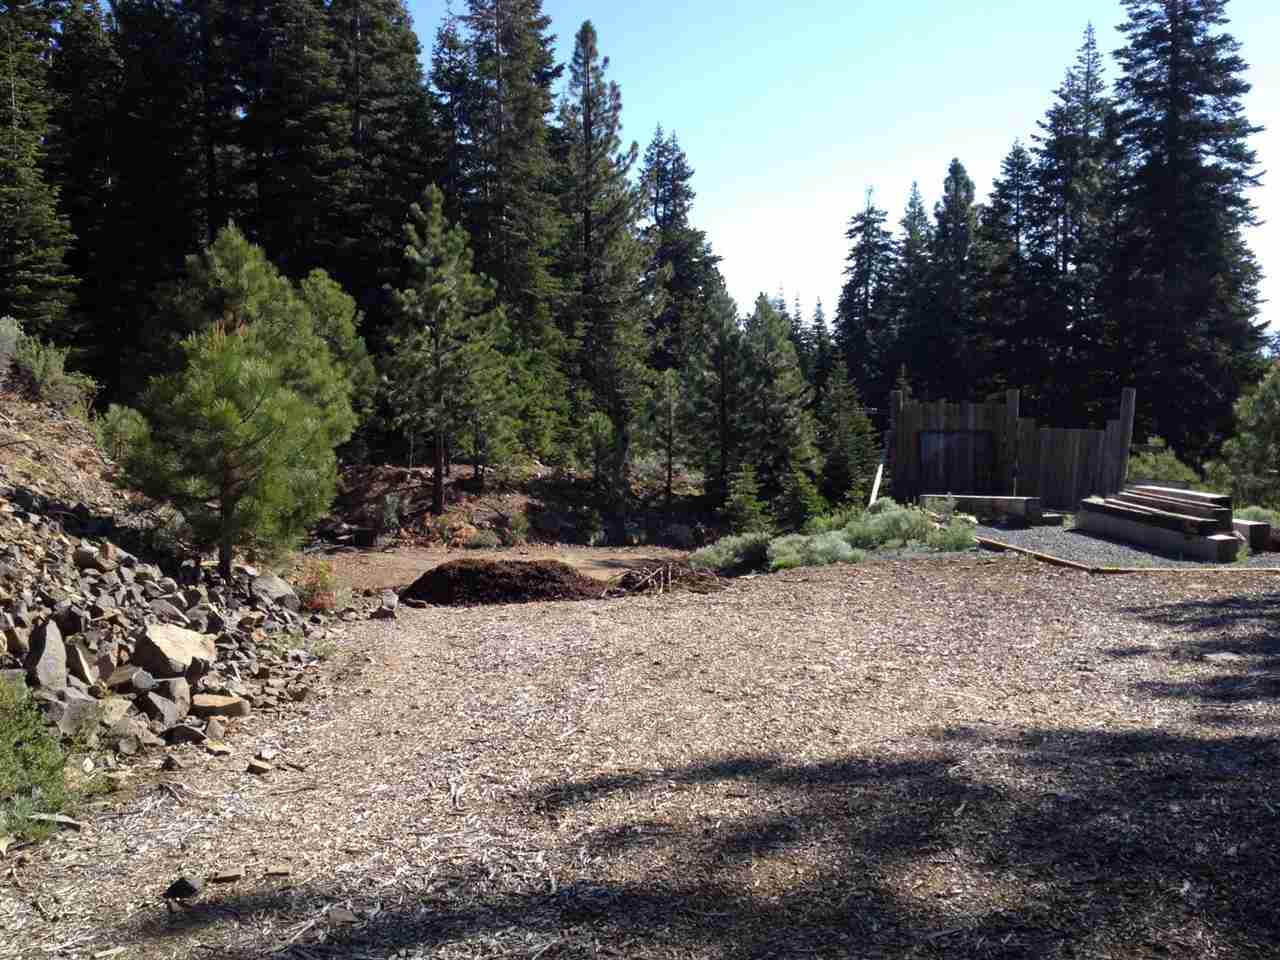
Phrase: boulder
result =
(165, 650)
(73, 712)
(80, 664)
(215, 705)
(131, 679)
(114, 709)
(179, 691)
(47, 661)
(166, 611)
(273, 588)
(158, 708)
(87, 557)
(17, 641)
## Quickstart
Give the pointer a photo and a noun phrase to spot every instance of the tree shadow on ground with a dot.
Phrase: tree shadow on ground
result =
(1237, 636)
(982, 843)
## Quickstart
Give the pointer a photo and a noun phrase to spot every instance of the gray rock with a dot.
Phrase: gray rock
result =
(166, 650)
(273, 588)
(131, 679)
(158, 708)
(79, 664)
(47, 661)
(215, 729)
(179, 691)
(166, 611)
(185, 733)
(89, 558)
(72, 714)
(17, 642)
(114, 709)
(71, 618)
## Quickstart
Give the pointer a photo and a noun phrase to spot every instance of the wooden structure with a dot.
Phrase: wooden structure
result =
(988, 449)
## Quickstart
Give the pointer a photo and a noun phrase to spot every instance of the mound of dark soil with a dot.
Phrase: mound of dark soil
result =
(470, 583)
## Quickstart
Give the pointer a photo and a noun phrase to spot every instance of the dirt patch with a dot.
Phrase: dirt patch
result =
(472, 583)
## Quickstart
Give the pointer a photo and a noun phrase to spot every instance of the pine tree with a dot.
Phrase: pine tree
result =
(718, 393)
(799, 501)
(863, 316)
(912, 299)
(824, 353)
(952, 287)
(744, 508)
(1182, 291)
(848, 443)
(608, 309)
(444, 370)
(35, 286)
(241, 440)
(682, 269)
(780, 428)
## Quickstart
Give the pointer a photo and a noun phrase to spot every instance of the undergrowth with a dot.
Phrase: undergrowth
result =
(842, 537)
(32, 766)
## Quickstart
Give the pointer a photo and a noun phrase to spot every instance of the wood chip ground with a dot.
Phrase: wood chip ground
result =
(975, 757)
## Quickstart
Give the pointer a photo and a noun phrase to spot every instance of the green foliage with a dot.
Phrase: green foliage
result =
(316, 583)
(744, 509)
(1261, 515)
(799, 501)
(895, 525)
(43, 367)
(1250, 462)
(734, 555)
(837, 519)
(444, 375)
(883, 505)
(118, 429)
(390, 512)
(798, 550)
(241, 439)
(850, 452)
(514, 529)
(32, 764)
(955, 536)
(484, 540)
(1158, 464)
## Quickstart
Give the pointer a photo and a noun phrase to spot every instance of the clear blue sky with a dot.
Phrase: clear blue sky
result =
(789, 112)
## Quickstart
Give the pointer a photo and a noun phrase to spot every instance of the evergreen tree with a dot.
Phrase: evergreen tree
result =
(667, 425)
(1182, 291)
(863, 316)
(682, 269)
(241, 440)
(718, 393)
(744, 508)
(780, 428)
(799, 501)
(952, 287)
(608, 308)
(912, 301)
(848, 443)
(444, 371)
(824, 353)
(35, 286)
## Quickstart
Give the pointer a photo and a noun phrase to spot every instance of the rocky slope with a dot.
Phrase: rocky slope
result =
(129, 647)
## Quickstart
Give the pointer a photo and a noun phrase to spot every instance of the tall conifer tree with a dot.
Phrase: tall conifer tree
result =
(863, 316)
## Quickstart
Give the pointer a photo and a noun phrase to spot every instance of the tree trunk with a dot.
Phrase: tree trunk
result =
(437, 492)
(226, 551)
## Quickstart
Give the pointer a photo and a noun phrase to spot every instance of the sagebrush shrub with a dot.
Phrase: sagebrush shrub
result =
(739, 554)
(32, 762)
(484, 540)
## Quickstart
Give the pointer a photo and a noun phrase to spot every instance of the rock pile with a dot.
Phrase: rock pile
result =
(111, 645)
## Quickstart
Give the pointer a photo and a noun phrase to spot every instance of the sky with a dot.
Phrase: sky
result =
(789, 113)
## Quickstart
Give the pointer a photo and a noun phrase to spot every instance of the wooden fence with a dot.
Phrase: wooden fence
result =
(987, 448)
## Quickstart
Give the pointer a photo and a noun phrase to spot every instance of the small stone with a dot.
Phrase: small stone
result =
(113, 710)
(340, 916)
(215, 729)
(279, 870)
(228, 875)
(185, 733)
(218, 748)
(179, 691)
(213, 705)
(1225, 656)
(131, 679)
(259, 767)
(184, 888)
(128, 746)
(80, 665)
(172, 763)
(268, 754)
(158, 708)
(88, 558)
(167, 612)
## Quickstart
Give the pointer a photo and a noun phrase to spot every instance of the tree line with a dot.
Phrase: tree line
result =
(513, 279)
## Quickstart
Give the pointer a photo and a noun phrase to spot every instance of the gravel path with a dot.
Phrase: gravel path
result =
(1096, 551)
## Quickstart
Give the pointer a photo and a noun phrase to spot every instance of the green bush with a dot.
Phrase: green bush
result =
(9, 334)
(883, 505)
(890, 525)
(514, 530)
(798, 550)
(1158, 464)
(117, 429)
(1261, 515)
(837, 519)
(32, 762)
(731, 555)
(956, 535)
(799, 501)
(484, 540)
(45, 366)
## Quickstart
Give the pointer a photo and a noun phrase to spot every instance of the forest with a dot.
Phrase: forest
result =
(286, 219)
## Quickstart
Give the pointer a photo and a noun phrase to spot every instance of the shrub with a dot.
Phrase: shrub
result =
(889, 525)
(740, 554)
(392, 512)
(484, 540)
(514, 530)
(1158, 464)
(799, 501)
(316, 584)
(1250, 458)
(678, 535)
(956, 535)
(837, 519)
(1261, 515)
(744, 509)
(118, 429)
(824, 549)
(9, 334)
(32, 762)
(883, 505)
(45, 366)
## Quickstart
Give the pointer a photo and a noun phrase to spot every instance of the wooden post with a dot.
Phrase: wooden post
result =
(1011, 400)
(1128, 404)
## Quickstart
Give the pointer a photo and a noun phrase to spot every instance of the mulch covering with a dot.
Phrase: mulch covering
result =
(472, 583)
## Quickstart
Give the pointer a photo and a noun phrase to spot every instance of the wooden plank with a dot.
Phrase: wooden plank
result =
(1011, 441)
(875, 487)
(1046, 467)
(1128, 405)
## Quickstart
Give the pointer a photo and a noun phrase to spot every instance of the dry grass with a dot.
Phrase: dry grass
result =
(961, 757)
